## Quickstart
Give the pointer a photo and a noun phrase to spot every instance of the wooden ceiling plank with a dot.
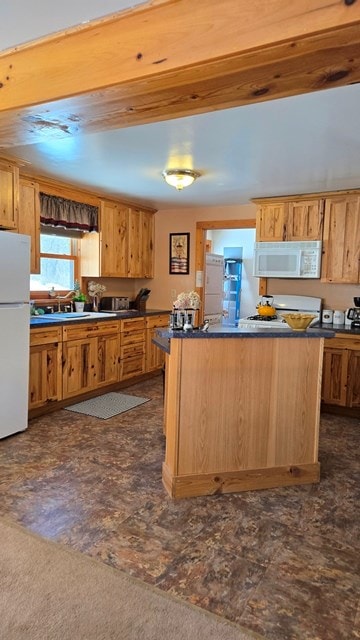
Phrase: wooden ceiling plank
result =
(170, 59)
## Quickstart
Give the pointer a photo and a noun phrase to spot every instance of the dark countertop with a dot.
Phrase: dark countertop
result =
(338, 328)
(234, 332)
(47, 320)
(163, 336)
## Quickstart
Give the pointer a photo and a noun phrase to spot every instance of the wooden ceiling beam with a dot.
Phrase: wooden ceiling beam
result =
(171, 58)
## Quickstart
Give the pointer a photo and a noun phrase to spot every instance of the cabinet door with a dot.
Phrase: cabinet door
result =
(114, 223)
(45, 375)
(141, 244)
(353, 397)
(335, 374)
(147, 244)
(79, 366)
(341, 259)
(135, 267)
(29, 219)
(108, 349)
(9, 196)
(271, 222)
(155, 358)
(305, 220)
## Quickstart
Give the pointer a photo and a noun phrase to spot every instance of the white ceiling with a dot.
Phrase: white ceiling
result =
(302, 144)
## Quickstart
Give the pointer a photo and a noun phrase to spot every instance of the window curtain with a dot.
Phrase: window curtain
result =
(67, 214)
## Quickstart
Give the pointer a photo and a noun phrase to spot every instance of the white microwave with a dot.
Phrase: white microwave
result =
(287, 259)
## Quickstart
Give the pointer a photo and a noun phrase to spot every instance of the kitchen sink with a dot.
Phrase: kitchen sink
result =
(68, 317)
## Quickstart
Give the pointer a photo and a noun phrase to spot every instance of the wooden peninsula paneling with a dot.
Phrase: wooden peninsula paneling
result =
(241, 414)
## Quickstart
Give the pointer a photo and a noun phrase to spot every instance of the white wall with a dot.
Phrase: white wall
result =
(165, 287)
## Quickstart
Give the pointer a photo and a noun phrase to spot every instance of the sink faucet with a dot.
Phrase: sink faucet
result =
(58, 298)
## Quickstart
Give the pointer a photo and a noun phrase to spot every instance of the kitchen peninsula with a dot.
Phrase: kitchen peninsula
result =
(242, 409)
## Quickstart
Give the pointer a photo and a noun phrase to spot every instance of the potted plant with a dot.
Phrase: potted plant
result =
(79, 300)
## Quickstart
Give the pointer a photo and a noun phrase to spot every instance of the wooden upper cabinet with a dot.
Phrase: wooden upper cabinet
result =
(9, 196)
(124, 246)
(135, 244)
(305, 219)
(141, 244)
(341, 247)
(271, 222)
(290, 220)
(114, 239)
(148, 244)
(29, 219)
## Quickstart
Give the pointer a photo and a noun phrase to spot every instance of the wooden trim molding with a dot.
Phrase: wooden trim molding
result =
(210, 484)
(167, 59)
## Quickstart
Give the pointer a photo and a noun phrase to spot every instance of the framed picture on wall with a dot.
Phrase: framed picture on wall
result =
(179, 253)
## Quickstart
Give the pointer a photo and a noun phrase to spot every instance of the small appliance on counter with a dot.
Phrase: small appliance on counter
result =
(140, 301)
(281, 304)
(114, 303)
(353, 314)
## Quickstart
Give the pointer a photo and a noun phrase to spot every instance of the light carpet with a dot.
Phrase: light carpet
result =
(107, 405)
(51, 592)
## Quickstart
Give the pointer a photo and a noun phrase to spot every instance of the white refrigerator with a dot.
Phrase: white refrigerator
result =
(14, 331)
(214, 278)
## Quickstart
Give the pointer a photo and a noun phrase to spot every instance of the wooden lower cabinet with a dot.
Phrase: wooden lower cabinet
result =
(90, 357)
(341, 372)
(79, 366)
(155, 358)
(73, 359)
(108, 359)
(132, 347)
(45, 379)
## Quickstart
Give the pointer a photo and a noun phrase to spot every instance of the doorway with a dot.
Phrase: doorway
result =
(203, 245)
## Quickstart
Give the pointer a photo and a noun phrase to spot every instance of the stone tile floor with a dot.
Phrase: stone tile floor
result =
(282, 562)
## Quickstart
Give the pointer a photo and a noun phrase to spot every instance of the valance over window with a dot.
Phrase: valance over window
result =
(68, 214)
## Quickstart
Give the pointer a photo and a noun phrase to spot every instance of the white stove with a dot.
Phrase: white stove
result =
(283, 304)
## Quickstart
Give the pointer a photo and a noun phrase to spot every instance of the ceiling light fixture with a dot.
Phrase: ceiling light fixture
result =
(180, 178)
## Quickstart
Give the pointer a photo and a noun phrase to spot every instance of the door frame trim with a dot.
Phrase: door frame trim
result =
(202, 226)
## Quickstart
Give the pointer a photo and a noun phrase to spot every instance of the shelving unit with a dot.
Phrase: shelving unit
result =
(232, 291)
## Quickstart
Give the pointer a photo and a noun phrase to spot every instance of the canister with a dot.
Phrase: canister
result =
(327, 316)
(339, 317)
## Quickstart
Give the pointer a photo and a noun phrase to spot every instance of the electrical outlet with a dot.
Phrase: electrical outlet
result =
(173, 294)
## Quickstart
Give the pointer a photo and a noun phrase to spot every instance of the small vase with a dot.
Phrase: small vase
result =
(79, 306)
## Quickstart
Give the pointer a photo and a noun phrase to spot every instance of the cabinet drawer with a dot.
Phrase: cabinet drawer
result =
(89, 329)
(132, 367)
(157, 321)
(132, 324)
(131, 350)
(132, 337)
(45, 336)
(343, 341)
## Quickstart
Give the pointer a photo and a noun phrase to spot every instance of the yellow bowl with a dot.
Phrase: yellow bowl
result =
(298, 321)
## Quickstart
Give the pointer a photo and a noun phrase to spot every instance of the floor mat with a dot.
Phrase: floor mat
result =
(107, 405)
